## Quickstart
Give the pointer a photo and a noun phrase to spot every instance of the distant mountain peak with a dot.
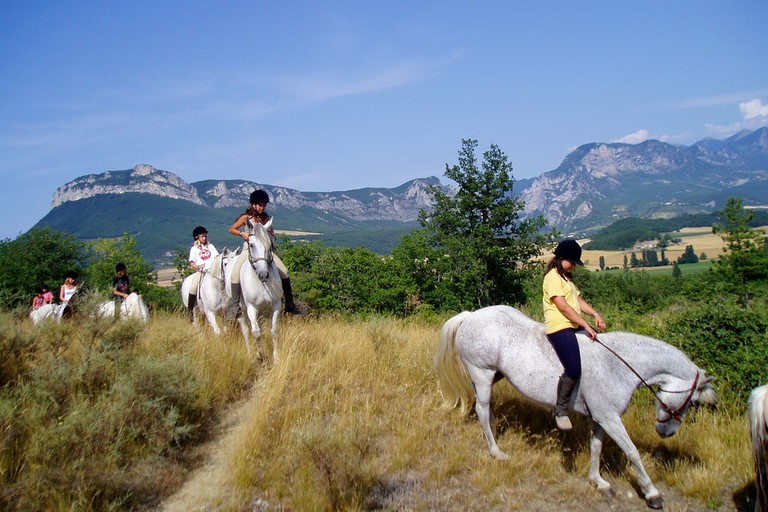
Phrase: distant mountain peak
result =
(143, 178)
(402, 203)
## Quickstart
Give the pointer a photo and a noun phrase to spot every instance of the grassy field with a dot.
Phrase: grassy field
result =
(102, 416)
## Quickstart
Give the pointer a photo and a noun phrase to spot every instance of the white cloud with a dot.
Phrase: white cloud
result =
(634, 138)
(640, 136)
(753, 109)
(754, 115)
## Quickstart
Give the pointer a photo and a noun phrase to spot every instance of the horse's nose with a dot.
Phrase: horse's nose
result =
(666, 429)
(263, 275)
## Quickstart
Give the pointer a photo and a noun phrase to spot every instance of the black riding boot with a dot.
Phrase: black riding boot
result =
(233, 310)
(290, 306)
(191, 303)
(565, 387)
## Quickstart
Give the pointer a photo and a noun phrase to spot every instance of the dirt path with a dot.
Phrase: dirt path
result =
(206, 483)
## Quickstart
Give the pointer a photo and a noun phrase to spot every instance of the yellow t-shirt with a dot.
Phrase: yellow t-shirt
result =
(554, 286)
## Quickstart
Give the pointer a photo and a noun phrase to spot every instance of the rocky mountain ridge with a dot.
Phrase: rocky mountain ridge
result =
(402, 203)
(599, 183)
(595, 185)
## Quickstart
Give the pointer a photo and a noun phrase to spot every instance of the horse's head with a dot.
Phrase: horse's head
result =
(260, 248)
(672, 404)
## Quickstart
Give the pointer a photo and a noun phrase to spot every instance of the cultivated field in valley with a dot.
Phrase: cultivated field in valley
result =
(702, 239)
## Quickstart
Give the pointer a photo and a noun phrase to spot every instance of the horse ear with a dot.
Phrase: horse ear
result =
(269, 223)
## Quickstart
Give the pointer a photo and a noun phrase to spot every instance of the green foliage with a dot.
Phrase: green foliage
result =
(729, 341)
(631, 292)
(745, 262)
(478, 232)
(689, 256)
(40, 256)
(104, 254)
(344, 279)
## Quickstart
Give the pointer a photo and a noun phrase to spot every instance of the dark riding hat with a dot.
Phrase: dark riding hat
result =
(199, 230)
(569, 250)
(259, 196)
(120, 266)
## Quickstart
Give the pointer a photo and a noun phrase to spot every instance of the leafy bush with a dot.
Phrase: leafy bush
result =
(632, 292)
(729, 341)
(84, 406)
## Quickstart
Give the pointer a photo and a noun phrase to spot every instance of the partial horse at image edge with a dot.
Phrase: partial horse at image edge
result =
(758, 428)
(475, 346)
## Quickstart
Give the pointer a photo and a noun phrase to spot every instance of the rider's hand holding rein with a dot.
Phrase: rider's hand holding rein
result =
(576, 318)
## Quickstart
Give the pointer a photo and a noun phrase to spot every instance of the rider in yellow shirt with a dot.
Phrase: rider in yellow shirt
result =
(563, 307)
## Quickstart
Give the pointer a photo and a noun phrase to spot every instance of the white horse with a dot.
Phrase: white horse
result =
(45, 311)
(211, 297)
(475, 346)
(262, 291)
(132, 308)
(758, 423)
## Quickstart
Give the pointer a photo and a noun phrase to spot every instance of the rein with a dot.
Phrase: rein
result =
(672, 414)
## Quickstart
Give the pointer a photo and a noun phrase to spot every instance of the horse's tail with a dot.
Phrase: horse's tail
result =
(455, 384)
(758, 423)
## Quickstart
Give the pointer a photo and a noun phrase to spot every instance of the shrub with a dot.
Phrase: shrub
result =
(729, 341)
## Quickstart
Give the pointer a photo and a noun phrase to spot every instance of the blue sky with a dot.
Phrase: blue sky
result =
(324, 96)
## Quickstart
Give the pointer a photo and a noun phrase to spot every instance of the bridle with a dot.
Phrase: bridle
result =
(673, 414)
(267, 252)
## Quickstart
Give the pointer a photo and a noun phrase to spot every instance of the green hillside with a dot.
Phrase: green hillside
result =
(161, 226)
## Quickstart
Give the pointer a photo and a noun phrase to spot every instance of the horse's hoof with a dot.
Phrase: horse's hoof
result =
(500, 455)
(655, 502)
(608, 492)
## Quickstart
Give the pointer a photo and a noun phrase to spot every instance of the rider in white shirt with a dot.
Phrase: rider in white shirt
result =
(201, 255)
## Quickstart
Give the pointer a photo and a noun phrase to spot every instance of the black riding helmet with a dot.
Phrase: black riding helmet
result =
(259, 196)
(569, 250)
(199, 230)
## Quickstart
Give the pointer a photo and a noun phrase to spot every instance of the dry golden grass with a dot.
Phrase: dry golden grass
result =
(351, 419)
(702, 240)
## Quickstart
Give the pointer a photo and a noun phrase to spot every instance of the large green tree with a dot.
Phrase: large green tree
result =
(481, 244)
(39, 256)
(745, 262)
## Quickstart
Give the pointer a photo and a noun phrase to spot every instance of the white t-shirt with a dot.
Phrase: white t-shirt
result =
(202, 255)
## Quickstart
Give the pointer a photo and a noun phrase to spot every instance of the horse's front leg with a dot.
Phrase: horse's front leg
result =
(615, 428)
(595, 449)
(246, 334)
(275, 327)
(253, 317)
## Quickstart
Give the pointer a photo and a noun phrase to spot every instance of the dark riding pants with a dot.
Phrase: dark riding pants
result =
(567, 349)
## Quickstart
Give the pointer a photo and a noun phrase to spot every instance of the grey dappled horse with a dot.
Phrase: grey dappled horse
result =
(262, 291)
(475, 346)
